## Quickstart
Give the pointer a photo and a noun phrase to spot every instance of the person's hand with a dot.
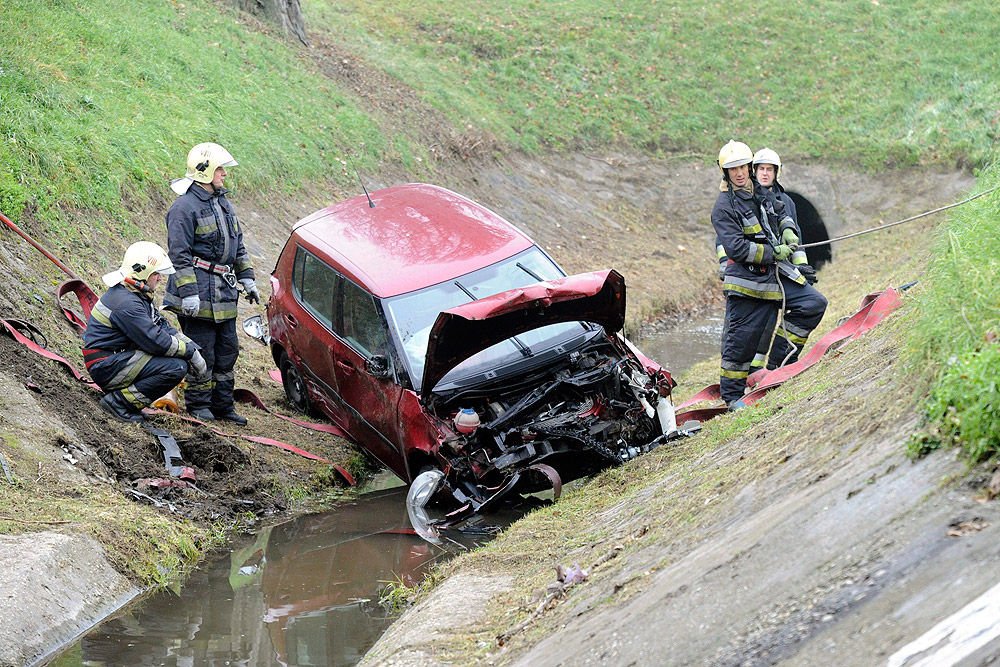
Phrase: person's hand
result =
(198, 368)
(808, 272)
(190, 305)
(250, 289)
(782, 252)
(789, 238)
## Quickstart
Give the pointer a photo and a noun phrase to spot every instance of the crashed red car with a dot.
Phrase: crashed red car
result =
(444, 341)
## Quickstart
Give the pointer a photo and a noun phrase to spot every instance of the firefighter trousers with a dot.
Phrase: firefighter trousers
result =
(220, 348)
(747, 319)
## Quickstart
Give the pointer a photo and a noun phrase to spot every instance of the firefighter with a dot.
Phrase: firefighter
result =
(804, 306)
(747, 227)
(205, 243)
(129, 349)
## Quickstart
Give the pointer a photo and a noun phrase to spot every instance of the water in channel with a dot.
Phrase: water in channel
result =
(679, 346)
(304, 592)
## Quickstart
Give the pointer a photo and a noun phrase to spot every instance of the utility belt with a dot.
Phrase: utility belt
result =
(224, 271)
(92, 355)
(761, 269)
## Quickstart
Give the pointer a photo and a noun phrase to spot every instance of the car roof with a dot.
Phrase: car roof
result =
(415, 236)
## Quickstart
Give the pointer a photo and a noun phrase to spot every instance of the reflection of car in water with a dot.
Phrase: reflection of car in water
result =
(303, 592)
(442, 339)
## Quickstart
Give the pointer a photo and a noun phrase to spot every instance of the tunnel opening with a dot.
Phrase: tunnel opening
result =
(813, 230)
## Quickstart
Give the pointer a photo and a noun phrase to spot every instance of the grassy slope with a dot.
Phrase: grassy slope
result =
(101, 100)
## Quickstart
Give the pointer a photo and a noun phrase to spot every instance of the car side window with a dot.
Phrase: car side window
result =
(315, 283)
(360, 323)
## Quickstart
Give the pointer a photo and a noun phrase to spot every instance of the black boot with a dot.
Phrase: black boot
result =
(119, 408)
(230, 415)
(202, 414)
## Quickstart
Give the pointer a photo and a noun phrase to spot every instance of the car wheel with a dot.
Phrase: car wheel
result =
(295, 386)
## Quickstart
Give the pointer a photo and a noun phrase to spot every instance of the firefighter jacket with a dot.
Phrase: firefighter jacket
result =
(205, 244)
(125, 320)
(776, 190)
(747, 227)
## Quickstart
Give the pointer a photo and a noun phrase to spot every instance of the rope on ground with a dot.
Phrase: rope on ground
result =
(899, 222)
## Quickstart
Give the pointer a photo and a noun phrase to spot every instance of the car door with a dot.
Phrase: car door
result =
(309, 323)
(371, 402)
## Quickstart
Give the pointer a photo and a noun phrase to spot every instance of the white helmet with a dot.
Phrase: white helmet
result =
(202, 161)
(734, 154)
(141, 259)
(767, 156)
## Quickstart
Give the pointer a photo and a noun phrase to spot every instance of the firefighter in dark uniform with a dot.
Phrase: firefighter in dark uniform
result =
(804, 306)
(129, 349)
(205, 243)
(747, 227)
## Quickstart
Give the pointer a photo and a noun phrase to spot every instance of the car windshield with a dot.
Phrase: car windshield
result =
(411, 315)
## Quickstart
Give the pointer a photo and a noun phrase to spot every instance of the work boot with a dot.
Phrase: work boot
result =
(230, 415)
(202, 414)
(738, 404)
(119, 408)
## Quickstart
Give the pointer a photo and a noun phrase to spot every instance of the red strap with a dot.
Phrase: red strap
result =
(12, 328)
(84, 295)
(875, 307)
(247, 396)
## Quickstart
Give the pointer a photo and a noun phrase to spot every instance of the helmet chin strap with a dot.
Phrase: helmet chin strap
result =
(138, 285)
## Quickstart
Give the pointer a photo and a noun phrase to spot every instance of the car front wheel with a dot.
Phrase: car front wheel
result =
(295, 386)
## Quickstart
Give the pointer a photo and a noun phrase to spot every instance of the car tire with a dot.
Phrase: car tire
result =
(295, 385)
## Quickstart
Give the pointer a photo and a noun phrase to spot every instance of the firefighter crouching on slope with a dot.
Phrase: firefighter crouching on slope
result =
(205, 243)
(804, 305)
(747, 226)
(129, 349)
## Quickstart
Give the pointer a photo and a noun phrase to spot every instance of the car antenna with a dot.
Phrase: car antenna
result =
(371, 204)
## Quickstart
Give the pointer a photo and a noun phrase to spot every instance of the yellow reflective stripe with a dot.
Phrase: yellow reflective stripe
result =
(734, 375)
(750, 230)
(720, 252)
(787, 335)
(799, 257)
(102, 314)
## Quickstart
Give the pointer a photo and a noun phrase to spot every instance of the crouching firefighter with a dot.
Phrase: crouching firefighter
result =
(129, 349)
(747, 226)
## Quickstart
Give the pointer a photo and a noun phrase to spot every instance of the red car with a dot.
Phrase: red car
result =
(442, 339)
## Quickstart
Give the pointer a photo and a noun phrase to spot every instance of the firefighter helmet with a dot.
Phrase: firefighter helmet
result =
(734, 154)
(141, 259)
(768, 156)
(202, 161)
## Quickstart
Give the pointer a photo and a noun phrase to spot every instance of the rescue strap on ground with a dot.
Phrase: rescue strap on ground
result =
(874, 308)
(899, 222)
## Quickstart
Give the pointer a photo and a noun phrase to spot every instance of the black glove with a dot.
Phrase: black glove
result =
(808, 272)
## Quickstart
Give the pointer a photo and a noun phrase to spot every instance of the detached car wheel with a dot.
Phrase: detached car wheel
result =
(295, 386)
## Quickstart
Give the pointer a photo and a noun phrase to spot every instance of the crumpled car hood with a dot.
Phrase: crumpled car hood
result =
(461, 332)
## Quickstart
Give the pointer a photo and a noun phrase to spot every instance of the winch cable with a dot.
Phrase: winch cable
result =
(899, 222)
(88, 299)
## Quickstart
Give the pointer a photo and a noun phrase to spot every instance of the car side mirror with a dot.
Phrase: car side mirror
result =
(256, 328)
(377, 366)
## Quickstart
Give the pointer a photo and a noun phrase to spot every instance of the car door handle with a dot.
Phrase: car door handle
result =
(290, 319)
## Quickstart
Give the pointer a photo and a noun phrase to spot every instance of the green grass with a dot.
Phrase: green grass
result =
(957, 329)
(102, 99)
(868, 82)
(99, 102)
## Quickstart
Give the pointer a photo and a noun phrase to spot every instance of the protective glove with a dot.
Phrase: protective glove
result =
(722, 271)
(782, 252)
(788, 237)
(190, 305)
(198, 368)
(250, 290)
(808, 272)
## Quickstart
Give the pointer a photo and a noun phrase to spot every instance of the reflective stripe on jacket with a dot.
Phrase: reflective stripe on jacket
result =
(125, 320)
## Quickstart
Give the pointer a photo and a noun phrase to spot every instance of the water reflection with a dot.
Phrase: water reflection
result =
(679, 346)
(303, 592)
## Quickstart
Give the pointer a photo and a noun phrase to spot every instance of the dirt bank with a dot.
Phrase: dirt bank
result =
(647, 218)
